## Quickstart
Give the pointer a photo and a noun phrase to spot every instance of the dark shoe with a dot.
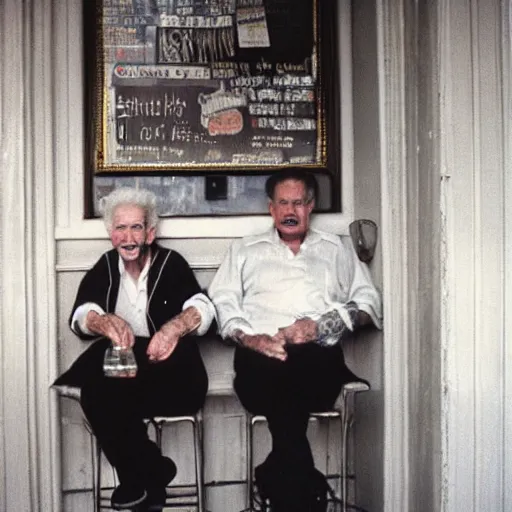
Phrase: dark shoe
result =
(159, 476)
(127, 496)
(290, 492)
(155, 502)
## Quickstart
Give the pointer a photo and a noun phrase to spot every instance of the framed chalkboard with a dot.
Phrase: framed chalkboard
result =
(209, 86)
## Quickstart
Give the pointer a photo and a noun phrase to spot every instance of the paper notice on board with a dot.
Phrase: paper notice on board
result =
(252, 27)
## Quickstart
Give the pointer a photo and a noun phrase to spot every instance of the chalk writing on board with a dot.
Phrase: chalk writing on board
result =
(189, 82)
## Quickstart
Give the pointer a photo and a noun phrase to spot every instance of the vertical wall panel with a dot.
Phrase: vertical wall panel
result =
(506, 42)
(489, 178)
(473, 198)
(14, 445)
(457, 168)
(28, 279)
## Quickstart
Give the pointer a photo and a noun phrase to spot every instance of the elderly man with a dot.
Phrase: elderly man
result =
(288, 298)
(144, 296)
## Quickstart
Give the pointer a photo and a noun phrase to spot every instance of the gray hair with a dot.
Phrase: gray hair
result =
(129, 196)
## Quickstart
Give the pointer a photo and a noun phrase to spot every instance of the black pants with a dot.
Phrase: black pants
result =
(310, 380)
(115, 407)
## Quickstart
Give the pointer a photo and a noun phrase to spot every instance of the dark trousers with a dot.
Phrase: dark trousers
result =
(310, 380)
(115, 407)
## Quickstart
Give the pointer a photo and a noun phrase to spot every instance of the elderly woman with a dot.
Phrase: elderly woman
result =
(144, 296)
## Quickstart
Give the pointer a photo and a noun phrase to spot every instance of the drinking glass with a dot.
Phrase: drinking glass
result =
(119, 362)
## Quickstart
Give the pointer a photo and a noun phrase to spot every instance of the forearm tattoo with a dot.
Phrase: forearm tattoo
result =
(332, 327)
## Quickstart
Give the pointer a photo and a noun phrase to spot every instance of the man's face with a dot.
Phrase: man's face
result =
(290, 210)
(129, 234)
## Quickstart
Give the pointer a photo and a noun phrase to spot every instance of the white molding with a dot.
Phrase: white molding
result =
(203, 227)
(390, 33)
(4, 160)
(506, 49)
(475, 196)
(195, 264)
(346, 111)
(15, 462)
(45, 468)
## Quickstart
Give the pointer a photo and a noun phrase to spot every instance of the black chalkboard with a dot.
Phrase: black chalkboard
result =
(217, 85)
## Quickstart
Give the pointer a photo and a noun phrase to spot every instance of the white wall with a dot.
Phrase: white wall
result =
(475, 304)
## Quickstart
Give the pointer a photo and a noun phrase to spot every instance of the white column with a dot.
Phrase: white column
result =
(27, 447)
(392, 90)
(473, 300)
(507, 325)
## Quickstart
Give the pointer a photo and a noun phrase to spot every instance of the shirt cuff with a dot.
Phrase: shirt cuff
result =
(205, 307)
(367, 308)
(236, 324)
(79, 320)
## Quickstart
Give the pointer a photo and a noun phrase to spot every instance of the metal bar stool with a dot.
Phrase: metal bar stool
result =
(344, 412)
(178, 496)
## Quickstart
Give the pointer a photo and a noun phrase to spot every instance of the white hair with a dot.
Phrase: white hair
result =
(129, 196)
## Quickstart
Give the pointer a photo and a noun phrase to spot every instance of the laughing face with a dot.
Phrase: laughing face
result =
(291, 209)
(129, 233)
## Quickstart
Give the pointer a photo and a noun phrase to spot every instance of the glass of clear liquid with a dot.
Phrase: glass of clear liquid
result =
(119, 362)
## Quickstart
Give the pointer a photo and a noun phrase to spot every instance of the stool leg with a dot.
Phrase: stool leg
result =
(94, 470)
(344, 445)
(198, 451)
(249, 454)
(158, 427)
(97, 489)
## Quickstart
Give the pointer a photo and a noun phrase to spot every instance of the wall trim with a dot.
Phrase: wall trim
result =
(506, 49)
(391, 39)
(194, 263)
(475, 303)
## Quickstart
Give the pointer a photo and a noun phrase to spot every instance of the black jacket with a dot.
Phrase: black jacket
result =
(170, 283)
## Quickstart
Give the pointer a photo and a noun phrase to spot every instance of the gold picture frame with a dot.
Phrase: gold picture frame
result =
(230, 86)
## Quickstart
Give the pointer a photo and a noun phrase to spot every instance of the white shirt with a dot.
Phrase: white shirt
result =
(132, 300)
(262, 285)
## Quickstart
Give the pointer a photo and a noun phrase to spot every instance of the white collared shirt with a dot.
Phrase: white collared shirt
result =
(132, 299)
(262, 285)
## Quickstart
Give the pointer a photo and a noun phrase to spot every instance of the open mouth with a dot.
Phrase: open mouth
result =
(130, 248)
(290, 222)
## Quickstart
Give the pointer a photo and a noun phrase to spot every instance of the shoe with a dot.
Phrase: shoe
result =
(156, 498)
(288, 492)
(159, 476)
(127, 496)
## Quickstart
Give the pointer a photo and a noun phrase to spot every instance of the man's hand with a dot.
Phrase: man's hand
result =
(270, 346)
(303, 330)
(164, 342)
(111, 326)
